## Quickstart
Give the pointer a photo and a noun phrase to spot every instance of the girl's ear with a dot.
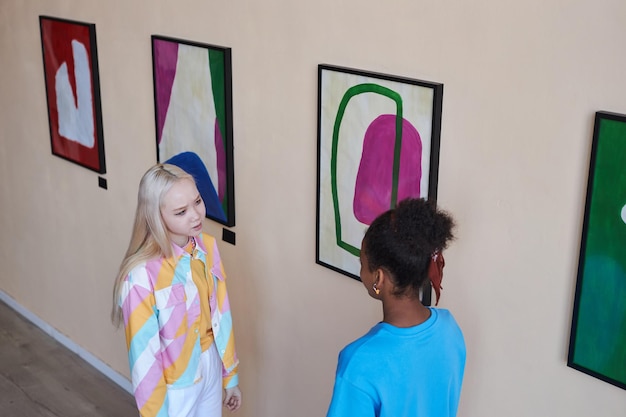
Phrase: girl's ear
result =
(382, 279)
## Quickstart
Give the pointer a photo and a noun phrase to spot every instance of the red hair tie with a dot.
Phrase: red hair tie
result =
(435, 273)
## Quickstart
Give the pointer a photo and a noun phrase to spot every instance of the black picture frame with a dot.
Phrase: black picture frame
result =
(70, 63)
(193, 88)
(597, 345)
(357, 110)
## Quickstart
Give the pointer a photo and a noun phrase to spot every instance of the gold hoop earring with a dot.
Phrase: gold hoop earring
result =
(376, 290)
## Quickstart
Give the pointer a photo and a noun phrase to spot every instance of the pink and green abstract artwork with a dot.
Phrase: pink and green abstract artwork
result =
(378, 143)
(192, 90)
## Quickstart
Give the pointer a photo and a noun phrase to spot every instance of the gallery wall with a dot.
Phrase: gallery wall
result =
(522, 81)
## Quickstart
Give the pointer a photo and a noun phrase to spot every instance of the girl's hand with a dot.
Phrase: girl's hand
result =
(232, 399)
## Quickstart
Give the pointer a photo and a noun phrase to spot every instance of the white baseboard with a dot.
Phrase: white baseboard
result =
(103, 368)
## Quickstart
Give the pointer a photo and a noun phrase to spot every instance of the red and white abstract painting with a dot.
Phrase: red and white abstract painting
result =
(73, 92)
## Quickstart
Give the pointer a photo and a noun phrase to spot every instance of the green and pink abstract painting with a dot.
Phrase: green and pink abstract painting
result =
(193, 106)
(378, 143)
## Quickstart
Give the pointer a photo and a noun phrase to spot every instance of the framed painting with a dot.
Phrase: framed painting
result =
(378, 143)
(193, 114)
(70, 62)
(598, 335)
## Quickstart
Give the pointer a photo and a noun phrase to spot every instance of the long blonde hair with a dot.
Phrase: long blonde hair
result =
(150, 238)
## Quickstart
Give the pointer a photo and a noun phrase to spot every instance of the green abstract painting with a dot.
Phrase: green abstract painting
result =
(598, 336)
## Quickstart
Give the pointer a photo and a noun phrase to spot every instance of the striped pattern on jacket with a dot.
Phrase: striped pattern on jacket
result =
(161, 309)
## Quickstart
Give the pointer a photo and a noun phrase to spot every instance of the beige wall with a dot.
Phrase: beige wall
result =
(522, 82)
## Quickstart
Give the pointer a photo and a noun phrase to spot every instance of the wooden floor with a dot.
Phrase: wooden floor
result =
(39, 377)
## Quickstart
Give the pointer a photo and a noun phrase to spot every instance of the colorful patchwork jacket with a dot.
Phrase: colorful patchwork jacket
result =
(161, 310)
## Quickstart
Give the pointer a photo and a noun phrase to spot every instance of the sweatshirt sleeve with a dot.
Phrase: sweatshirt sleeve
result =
(143, 344)
(348, 400)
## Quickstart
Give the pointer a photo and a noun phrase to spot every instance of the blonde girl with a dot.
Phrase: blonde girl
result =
(170, 294)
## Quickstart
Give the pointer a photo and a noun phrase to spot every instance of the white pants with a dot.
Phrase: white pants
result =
(204, 398)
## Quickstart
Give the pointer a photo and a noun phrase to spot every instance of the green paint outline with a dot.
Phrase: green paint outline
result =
(349, 94)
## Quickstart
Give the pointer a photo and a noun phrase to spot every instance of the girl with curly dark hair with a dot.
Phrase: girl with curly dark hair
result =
(411, 363)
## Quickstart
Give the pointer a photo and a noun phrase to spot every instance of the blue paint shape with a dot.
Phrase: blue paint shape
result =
(193, 165)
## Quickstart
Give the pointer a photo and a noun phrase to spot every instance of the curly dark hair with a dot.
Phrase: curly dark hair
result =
(402, 241)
